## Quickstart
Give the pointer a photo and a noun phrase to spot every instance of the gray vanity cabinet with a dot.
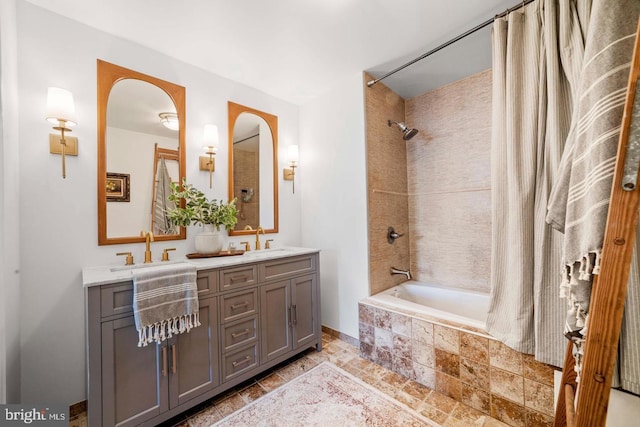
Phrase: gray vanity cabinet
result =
(193, 357)
(135, 384)
(275, 315)
(253, 316)
(134, 388)
(289, 316)
(289, 308)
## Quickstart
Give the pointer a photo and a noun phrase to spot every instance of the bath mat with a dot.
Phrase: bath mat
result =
(325, 396)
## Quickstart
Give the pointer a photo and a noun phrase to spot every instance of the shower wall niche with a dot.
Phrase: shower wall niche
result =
(437, 186)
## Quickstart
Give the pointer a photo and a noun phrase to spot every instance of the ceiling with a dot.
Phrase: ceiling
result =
(296, 50)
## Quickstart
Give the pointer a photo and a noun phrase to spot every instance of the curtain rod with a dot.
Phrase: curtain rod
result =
(452, 41)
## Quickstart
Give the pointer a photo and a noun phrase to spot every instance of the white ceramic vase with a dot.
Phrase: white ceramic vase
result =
(209, 241)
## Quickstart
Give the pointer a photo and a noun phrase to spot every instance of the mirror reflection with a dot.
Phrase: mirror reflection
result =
(140, 152)
(253, 171)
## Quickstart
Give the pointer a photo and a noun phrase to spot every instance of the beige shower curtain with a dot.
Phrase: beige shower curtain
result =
(545, 93)
(532, 100)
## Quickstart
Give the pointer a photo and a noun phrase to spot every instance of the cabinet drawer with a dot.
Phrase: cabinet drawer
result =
(237, 277)
(116, 299)
(283, 268)
(240, 333)
(239, 362)
(207, 282)
(238, 305)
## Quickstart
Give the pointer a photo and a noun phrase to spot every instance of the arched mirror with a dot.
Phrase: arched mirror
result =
(141, 146)
(253, 168)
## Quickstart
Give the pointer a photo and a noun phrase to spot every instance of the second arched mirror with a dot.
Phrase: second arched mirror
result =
(253, 172)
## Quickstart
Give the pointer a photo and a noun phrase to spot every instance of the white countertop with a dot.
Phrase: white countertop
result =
(106, 274)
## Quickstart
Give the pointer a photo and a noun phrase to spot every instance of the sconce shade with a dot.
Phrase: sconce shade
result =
(170, 120)
(292, 153)
(210, 137)
(60, 106)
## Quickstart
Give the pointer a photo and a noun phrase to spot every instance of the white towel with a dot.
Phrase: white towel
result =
(165, 301)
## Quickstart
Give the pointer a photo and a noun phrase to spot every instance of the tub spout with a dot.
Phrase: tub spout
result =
(398, 271)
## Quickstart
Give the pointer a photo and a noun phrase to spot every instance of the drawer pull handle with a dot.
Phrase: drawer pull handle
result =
(239, 334)
(241, 362)
(240, 305)
(164, 361)
(239, 279)
(174, 359)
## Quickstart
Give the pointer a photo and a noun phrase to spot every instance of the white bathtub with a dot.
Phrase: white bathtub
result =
(466, 308)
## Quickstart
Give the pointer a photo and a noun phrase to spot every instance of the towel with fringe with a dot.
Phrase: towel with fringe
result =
(579, 200)
(165, 302)
(162, 204)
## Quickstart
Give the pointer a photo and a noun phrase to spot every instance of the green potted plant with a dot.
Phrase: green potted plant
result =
(198, 210)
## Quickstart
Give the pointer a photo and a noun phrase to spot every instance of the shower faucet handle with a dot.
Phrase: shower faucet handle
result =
(392, 235)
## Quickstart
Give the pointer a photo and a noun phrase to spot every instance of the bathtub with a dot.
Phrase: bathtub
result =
(438, 337)
(452, 307)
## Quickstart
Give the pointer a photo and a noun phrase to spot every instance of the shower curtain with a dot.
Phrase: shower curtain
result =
(532, 98)
(542, 56)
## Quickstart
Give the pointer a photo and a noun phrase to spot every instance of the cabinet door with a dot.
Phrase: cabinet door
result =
(274, 320)
(193, 357)
(134, 383)
(304, 321)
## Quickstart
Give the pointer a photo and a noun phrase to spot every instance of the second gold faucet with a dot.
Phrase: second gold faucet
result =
(258, 230)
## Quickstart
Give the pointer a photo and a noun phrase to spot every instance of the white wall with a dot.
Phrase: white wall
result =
(9, 214)
(623, 410)
(132, 153)
(332, 175)
(58, 218)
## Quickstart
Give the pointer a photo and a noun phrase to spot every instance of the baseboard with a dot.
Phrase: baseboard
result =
(344, 337)
(77, 409)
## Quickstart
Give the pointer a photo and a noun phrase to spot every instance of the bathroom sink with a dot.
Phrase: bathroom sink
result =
(263, 252)
(136, 266)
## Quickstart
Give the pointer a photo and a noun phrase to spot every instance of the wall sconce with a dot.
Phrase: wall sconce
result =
(170, 120)
(290, 173)
(210, 139)
(62, 113)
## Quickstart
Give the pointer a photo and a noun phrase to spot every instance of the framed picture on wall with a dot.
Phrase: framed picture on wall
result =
(118, 187)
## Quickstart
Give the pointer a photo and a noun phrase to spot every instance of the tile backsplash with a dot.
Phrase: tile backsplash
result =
(472, 368)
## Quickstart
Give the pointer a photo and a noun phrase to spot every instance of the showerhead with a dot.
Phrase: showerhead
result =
(407, 133)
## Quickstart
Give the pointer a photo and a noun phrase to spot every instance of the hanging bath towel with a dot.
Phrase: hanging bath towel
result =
(579, 200)
(162, 204)
(165, 301)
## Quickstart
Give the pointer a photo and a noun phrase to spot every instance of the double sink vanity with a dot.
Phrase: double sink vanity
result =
(256, 310)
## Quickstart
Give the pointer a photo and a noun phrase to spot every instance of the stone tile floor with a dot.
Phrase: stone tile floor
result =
(433, 405)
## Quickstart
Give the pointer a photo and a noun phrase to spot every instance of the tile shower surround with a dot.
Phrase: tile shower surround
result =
(469, 367)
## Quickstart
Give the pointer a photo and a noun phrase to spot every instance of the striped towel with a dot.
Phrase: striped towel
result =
(579, 200)
(165, 302)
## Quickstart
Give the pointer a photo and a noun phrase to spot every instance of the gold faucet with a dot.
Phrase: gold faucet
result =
(148, 235)
(258, 230)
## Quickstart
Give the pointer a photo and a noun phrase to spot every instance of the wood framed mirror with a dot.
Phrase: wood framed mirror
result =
(253, 168)
(137, 154)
